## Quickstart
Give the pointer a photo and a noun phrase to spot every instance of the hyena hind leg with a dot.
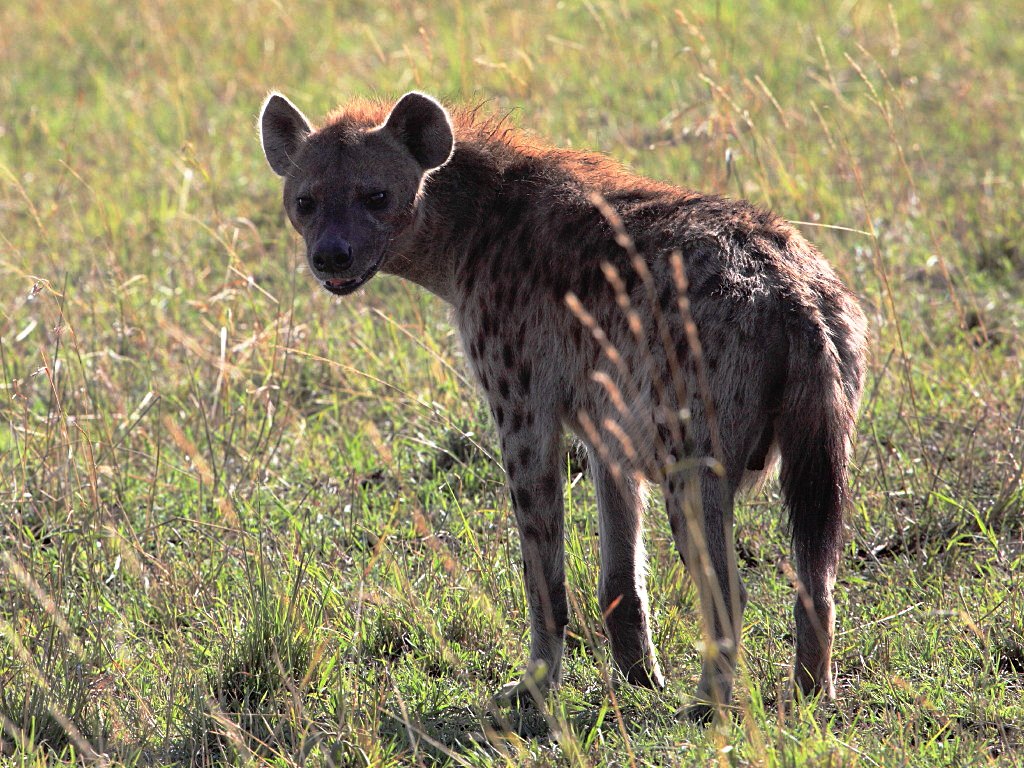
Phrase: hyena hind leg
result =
(622, 591)
(702, 525)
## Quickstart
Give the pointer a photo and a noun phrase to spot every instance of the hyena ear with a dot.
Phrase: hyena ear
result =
(283, 128)
(423, 125)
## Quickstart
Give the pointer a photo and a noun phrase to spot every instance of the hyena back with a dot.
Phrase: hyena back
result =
(688, 340)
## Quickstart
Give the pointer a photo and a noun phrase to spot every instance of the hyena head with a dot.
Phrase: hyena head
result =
(353, 188)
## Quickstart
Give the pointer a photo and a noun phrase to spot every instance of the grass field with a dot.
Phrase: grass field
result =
(243, 521)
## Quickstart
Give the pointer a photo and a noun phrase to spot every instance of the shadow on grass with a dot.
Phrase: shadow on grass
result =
(443, 735)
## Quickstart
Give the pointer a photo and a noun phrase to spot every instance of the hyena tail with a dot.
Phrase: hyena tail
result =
(814, 432)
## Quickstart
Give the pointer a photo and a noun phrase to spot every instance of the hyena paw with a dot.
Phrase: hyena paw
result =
(708, 704)
(699, 713)
(807, 686)
(533, 687)
(646, 674)
(702, 712)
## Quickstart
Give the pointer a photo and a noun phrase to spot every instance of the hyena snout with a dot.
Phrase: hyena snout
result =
(331, 255)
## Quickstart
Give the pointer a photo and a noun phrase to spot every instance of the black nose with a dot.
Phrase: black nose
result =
(332, 256)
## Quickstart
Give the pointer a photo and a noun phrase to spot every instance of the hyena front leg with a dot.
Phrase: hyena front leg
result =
(701, 518)
(532, 457)
(622, 590)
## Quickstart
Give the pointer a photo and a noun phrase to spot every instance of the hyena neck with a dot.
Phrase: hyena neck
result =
(451, 213)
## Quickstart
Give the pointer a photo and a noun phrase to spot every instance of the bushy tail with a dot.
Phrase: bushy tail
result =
(814, 432)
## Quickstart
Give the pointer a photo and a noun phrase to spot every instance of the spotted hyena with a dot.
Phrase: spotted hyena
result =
(688, 340)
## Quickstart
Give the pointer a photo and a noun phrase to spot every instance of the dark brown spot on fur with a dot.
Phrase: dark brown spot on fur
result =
(549, 486)
(521, 335)
(528, 528)
(503, 388)
(525, 373)
(588, 280)
(665, 298)
(526, 456)
(506, 355)
(510, 297)
(495, 266)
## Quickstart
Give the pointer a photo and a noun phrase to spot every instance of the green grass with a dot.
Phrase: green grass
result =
(244, 522)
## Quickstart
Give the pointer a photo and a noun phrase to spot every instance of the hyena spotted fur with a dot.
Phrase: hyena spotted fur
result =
(688, 340)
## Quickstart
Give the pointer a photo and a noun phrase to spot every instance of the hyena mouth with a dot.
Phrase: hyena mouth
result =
(342, 286)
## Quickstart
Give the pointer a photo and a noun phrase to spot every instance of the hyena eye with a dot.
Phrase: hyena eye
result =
(376, 201)
(304, 205)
